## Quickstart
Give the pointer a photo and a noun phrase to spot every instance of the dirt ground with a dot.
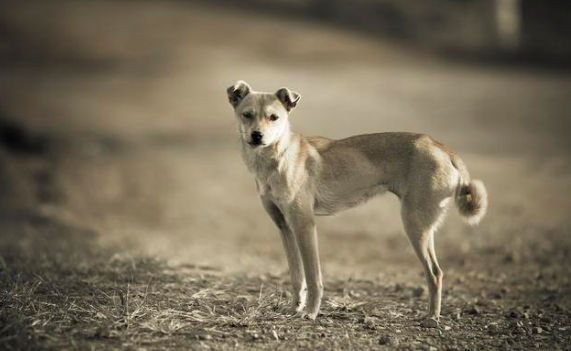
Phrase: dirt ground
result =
(128, 220)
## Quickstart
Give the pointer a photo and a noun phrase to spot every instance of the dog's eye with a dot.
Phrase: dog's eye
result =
(247, 114)
(274, 117)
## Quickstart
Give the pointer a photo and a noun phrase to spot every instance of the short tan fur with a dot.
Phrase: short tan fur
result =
(299, 178)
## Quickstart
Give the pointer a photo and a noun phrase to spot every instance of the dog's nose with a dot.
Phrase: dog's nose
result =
(257, 137)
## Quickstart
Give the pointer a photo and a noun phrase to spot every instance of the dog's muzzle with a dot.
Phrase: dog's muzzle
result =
(257, 138)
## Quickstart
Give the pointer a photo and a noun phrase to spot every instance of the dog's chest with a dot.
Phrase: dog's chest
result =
(270, 181)
(273, 185)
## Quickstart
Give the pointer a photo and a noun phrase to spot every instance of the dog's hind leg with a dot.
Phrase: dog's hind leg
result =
(293, 256)
(421, 219)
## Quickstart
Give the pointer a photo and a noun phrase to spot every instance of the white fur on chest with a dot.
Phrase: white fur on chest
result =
(270, 174)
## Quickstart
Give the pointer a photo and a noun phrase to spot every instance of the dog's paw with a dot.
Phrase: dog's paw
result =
(294, 310)
(295, 315)
(297, 307)
(429, 322)
(310, 316)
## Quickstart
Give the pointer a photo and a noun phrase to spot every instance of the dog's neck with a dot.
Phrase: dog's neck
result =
(269, 159)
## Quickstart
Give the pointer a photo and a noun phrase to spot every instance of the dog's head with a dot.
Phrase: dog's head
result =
(262, 117)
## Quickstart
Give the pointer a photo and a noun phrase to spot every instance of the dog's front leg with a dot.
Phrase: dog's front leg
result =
(293, 257)
(301, 221)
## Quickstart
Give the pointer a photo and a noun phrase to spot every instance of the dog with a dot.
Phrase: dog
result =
(299, 178)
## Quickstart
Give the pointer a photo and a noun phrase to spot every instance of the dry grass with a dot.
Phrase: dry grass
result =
(132, 303)
(103, 301)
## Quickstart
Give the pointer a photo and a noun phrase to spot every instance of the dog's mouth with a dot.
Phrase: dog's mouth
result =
(255, 144)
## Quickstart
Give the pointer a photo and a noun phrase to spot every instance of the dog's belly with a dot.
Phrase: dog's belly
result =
(330, 202)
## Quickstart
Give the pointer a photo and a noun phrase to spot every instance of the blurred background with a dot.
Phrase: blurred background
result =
(114, 119)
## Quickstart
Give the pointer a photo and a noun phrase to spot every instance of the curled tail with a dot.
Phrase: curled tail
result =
(471, 196)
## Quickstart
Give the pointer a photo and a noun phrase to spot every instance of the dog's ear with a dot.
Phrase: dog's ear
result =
(237, 92)
(288, 98)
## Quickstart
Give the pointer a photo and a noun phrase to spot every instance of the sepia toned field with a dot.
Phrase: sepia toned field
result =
(128, 220)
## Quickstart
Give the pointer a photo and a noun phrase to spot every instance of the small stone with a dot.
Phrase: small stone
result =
(519, 331)
(429, 323)
(511, 257)
(494, 330)
(370, 323)
(418, 291)
(513, 314)
(537, 330)
(545, 319)
(387, 339)
(497, 296)
(447, 327)
(384, 340)
(204, 337)
(473, 310)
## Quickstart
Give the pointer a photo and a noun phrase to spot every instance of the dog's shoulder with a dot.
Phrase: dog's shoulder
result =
(319, 143)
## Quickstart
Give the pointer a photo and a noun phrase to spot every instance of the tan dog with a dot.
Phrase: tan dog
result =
(298, 178)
